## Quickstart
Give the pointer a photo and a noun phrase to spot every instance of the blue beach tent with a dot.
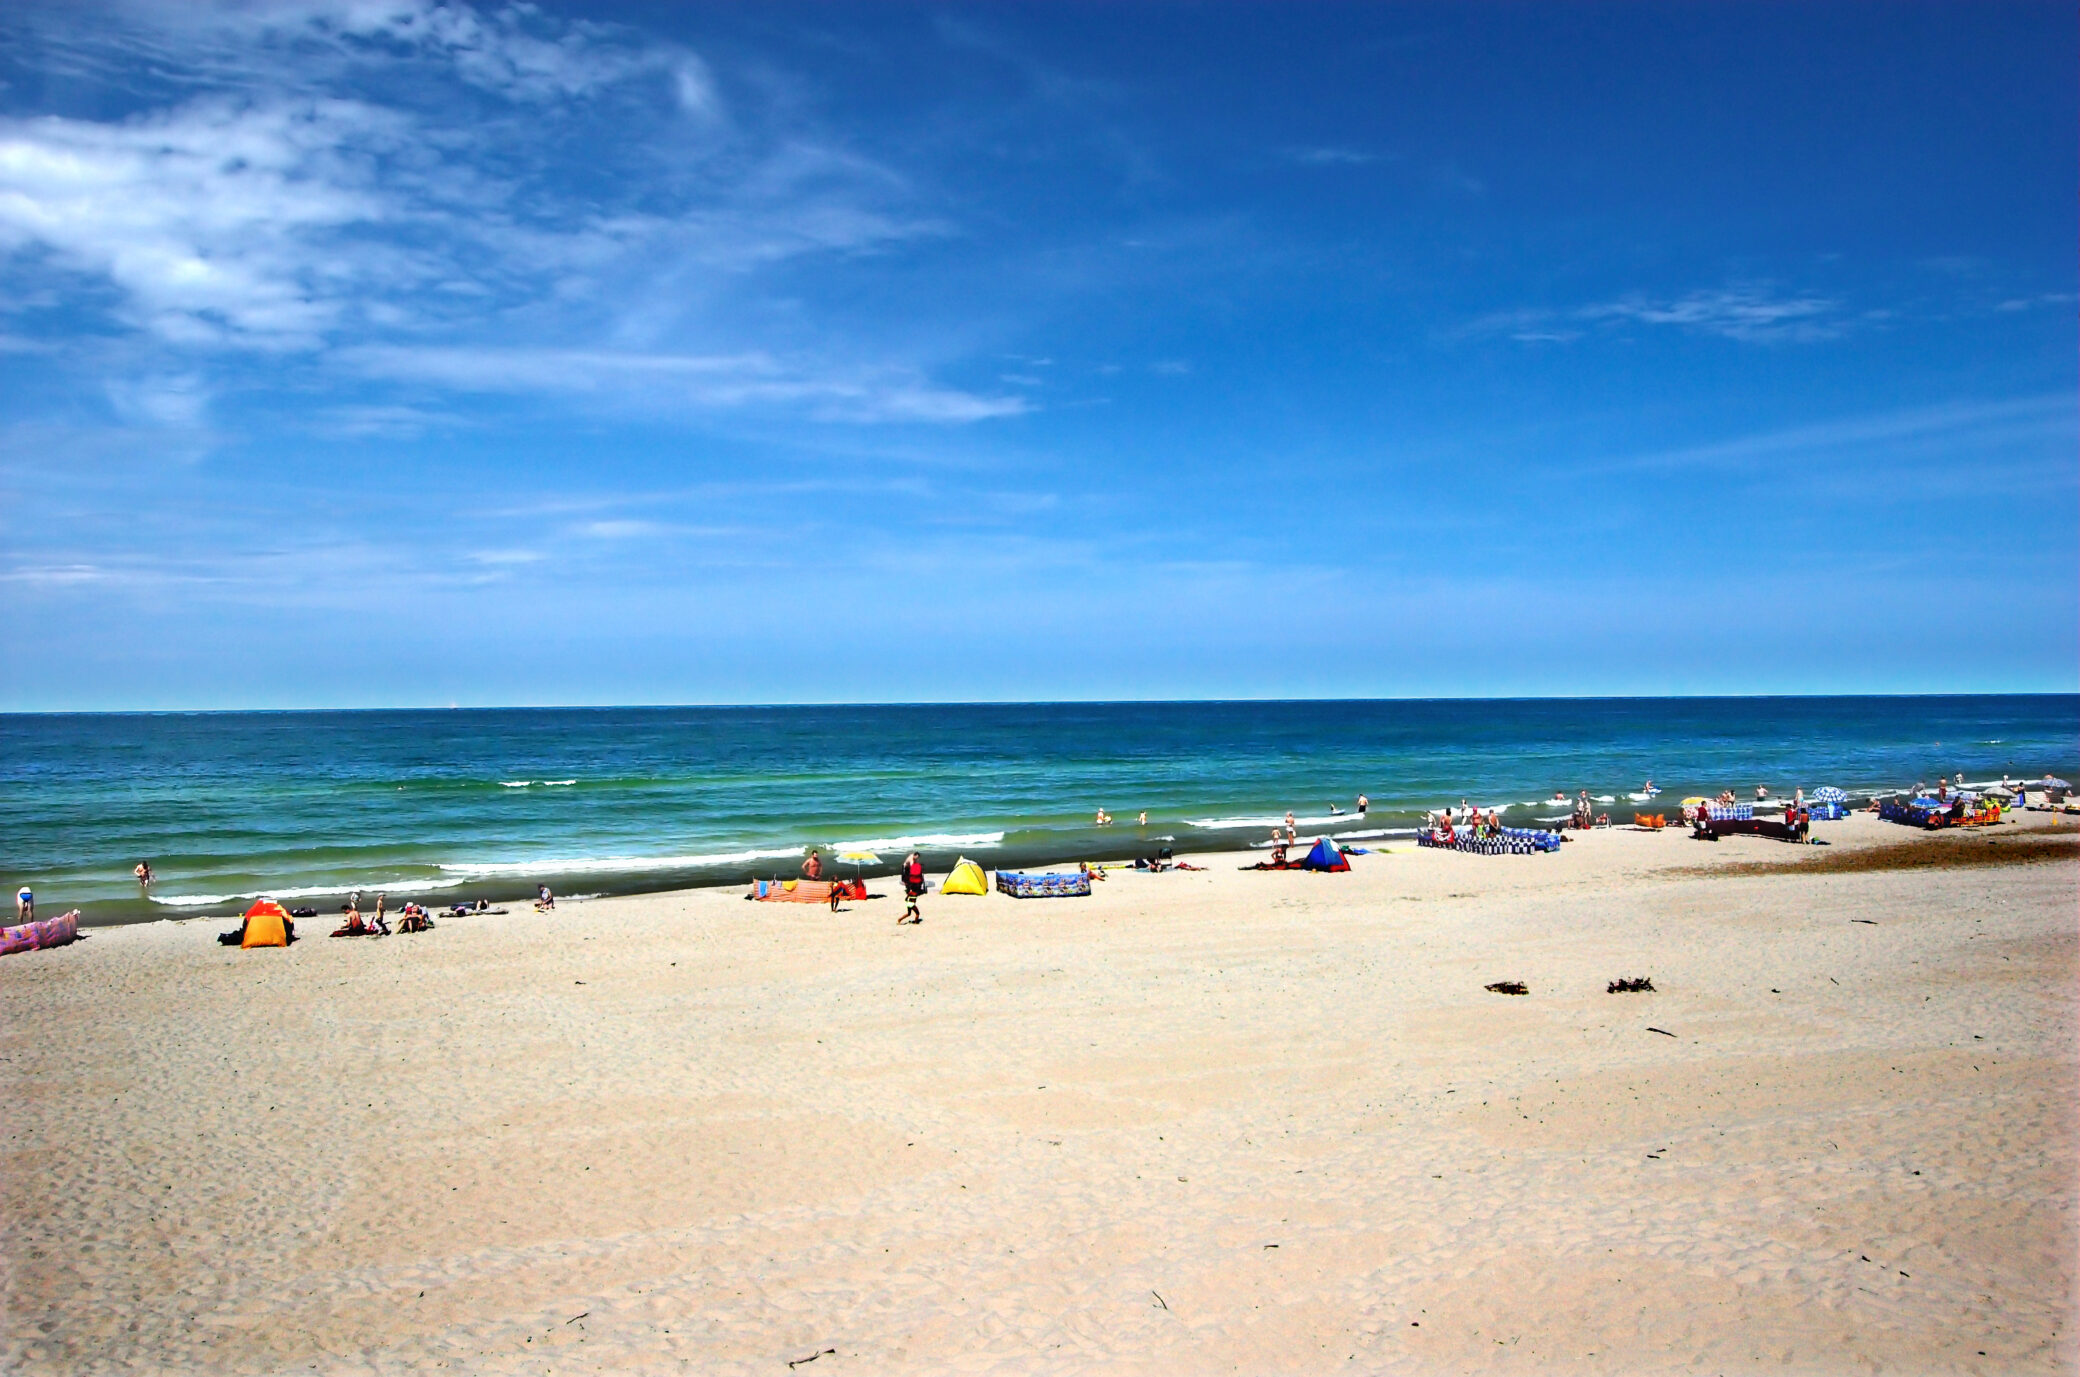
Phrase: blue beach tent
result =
(1325, 856)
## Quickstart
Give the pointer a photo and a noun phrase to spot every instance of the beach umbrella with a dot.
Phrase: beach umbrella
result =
(858, 859)
(2052, 782)
(1827, 793)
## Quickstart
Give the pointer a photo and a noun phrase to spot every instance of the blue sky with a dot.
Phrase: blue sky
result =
(366, 352)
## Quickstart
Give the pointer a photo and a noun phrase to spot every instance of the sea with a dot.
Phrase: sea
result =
(460, 804)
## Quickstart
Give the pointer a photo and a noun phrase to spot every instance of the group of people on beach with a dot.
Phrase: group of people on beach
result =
(413, 917)
(911, 873)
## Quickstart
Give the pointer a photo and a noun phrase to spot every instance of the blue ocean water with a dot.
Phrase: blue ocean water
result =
(439, 805)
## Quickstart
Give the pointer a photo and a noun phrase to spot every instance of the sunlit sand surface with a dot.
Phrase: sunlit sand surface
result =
(1198, 1122)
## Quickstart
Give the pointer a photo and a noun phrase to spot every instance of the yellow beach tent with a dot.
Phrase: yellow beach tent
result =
(967, 878)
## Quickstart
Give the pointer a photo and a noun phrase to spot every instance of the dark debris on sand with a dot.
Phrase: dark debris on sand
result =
(1643, 985)
(1515, 987)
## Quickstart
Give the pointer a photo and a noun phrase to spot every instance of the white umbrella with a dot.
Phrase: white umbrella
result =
(859, 858)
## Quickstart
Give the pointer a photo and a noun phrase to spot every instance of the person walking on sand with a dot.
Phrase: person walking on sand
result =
(380, 923)
(913, 887)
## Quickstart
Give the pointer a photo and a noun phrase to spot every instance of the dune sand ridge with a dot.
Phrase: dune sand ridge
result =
(1198, 1121)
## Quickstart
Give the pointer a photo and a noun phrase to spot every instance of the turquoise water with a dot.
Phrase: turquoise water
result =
(441, 805)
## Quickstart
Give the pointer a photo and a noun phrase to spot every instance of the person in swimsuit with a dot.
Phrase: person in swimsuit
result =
(1363, 804)
(143, 872)
(812, 868)
(913, 887)
(24, 905)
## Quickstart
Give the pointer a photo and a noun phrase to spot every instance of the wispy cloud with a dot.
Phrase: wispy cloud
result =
(1331, 156)
(668, 379)
(1752, 314)
(1953, 431)
(1747, 313)
(357, 181)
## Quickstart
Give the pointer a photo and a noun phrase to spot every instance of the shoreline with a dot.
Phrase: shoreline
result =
(1379, 838)
(681, 1130)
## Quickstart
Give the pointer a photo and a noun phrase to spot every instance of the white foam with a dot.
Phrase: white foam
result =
(1329, 821)
(591, 865)
(304, 892)
(933, 839)
(557, 783)
(514, 783)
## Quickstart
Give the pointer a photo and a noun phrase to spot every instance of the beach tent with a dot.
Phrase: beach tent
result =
(1325, 856)
(267, 925)
(966, 878)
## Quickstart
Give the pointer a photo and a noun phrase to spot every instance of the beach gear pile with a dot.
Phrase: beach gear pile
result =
(1498, 841)
(1829, 804)
(1961, 811)
(1325, 855)
(1050, 886)
(44, 932)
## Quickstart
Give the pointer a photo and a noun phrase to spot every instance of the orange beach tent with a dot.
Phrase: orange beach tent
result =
(267, 925)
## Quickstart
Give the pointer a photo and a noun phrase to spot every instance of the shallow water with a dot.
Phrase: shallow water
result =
(439, 805)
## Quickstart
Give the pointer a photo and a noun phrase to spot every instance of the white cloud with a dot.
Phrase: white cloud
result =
(180, 401)
(1331, 157)
(664, 381)
(1751, 314)
(286, 199)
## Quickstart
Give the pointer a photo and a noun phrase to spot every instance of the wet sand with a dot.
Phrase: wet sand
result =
(1200, 1121)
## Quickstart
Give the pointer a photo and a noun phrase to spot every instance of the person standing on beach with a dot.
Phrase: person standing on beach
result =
(812, 868)
(913, 887)
(24, 905)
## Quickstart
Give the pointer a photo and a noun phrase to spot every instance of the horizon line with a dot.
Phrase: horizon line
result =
(1033, 703)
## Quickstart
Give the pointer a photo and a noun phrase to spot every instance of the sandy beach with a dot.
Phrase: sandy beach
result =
(1198, 1122)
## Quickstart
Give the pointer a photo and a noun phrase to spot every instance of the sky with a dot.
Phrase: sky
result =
(393, 352)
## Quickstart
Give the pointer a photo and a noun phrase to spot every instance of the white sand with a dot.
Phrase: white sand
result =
(1198, 1122)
